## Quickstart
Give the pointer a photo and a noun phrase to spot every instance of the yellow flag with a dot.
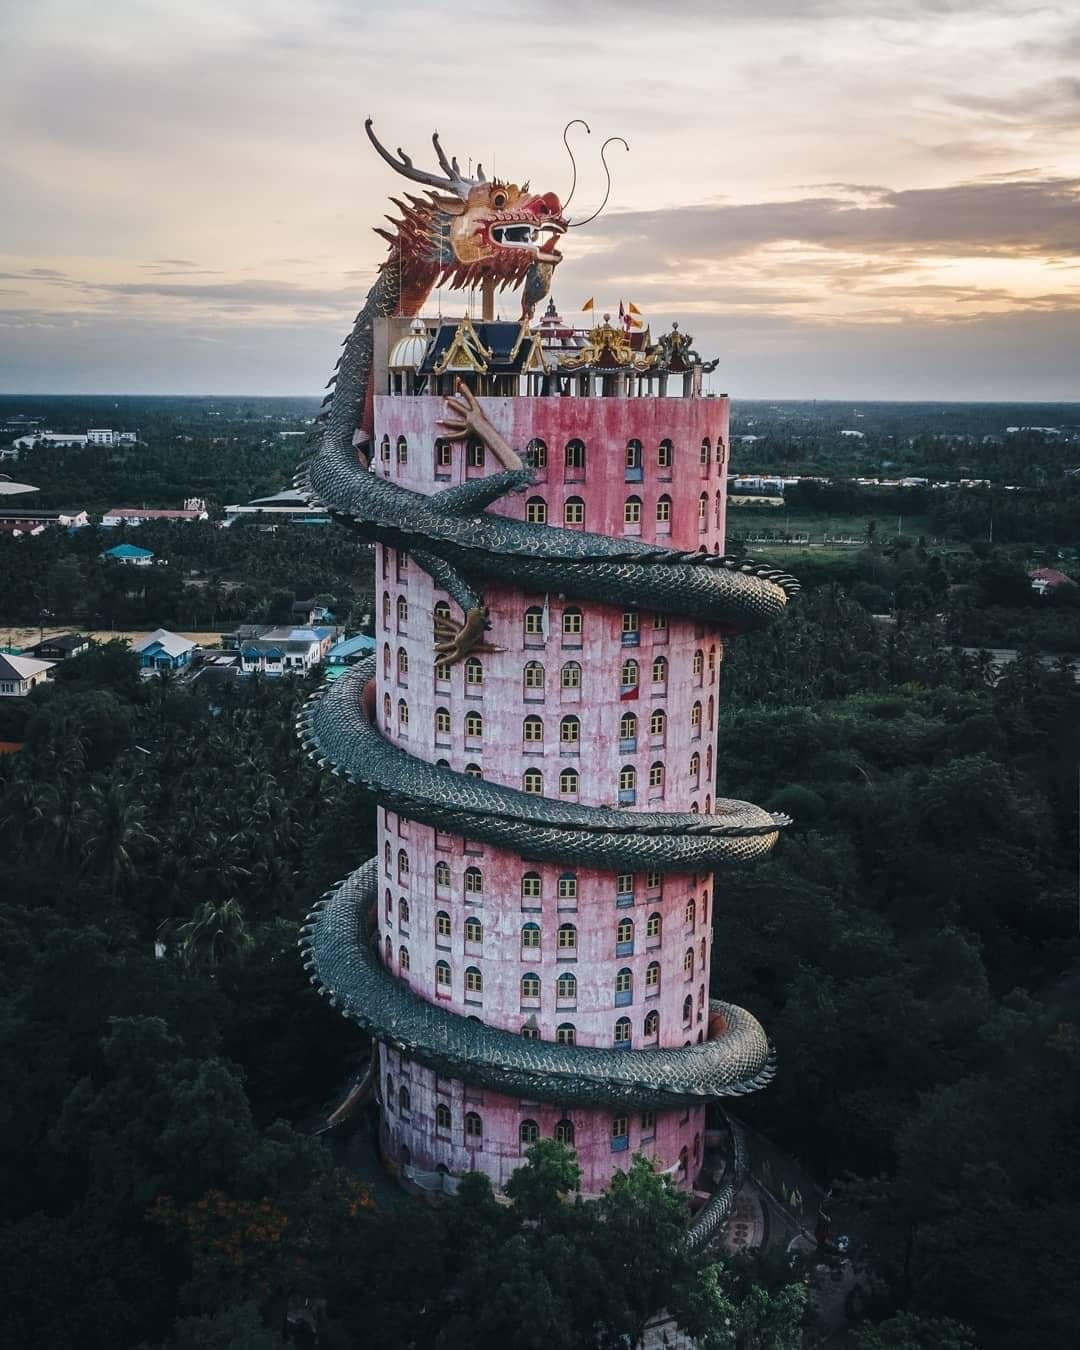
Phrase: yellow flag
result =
(587, 305)
(632, 307)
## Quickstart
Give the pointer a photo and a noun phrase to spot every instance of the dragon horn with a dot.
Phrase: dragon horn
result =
(402, 164)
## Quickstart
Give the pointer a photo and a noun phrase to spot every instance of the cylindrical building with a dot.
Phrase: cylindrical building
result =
(575, 701)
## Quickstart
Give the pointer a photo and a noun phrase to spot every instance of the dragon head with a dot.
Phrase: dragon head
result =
(467, 231)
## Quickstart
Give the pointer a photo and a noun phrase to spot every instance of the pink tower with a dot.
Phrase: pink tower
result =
(578, 701)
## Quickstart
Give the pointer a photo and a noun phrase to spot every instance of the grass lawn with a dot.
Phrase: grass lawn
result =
(751, 520)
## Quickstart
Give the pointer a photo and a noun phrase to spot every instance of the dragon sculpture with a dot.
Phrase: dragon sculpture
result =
(466, 231)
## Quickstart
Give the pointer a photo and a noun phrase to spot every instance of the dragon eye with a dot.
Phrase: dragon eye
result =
(499, 200)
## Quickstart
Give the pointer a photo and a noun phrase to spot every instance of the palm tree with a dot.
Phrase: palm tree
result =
(214, 933)
(113, 827)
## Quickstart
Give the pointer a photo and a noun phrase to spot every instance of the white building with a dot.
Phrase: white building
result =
(194, 509)
(19, 674)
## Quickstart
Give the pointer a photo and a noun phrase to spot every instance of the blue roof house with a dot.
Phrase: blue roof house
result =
(162, 650)
(131, 555)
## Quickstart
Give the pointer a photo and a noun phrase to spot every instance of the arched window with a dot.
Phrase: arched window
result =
(402, 450)
(570, 676)
(712, 658)
(474, 980)
(569, 782)
(386, 857)
(627, 783)
(402, 863)
(663, 510)
(568, 887)
(386, 608)
(566, 1034)
(652, 978)
(443, 1118)
(622, 1031)
(474, 673)
(474, 930)
(703, 512)
(628, 728)
(536, 511)
(402, 663)
(528, 1132)
(651, 1029)
(444, 456)
(706, 450)
(712, 710)
(571, 623)
(630, 674)
(530, 936)
(658, 724)
(653, 927)
(474, 726)
(690, 913)
(531, 886)
(566, 987)
(695, 769)
(631, 628)
(688, 963)
(389, 953)
(442, 924)
(474, 1128)
(402, 612)
(532, 678)
(633, 457)
(442, 722)
(564, 1133)
(719, 507)
(386, 659)
(698, 665)
(656, 776)
(474, 881)
(403, 714)
(695, 719)
(624, 937)
(403, 910)
(687, 1010)
(533, 625)
(624, 986)
(530, 985)
(536, 453)
(664, 454)
(472, 771)
(659, 670)
(442, 977)
(387, 709)
(532, 782)
(570, 730)
(573, 511)
(403, 958)
(574, 456)
(532, 730)
(567, 938)
(704, 906)
(384, 449)
(530, 1031)
(442, 671)
(632, 511)
(388, 904)
(390, 1091)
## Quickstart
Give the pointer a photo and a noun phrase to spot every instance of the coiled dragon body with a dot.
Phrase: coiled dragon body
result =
(470, 231)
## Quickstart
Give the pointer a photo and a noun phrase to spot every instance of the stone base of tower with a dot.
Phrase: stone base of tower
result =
(435, 1124)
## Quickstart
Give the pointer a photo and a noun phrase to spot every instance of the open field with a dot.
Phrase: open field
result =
(27, 637)
(771, 520)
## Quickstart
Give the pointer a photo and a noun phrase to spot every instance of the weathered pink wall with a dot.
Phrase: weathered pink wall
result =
(605, 426)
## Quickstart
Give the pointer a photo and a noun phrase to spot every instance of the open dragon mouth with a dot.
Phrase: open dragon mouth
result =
(538, 238)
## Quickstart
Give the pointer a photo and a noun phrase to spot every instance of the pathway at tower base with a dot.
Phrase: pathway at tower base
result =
(530, 948)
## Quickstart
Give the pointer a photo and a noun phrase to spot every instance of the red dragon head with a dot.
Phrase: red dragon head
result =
(467, 231)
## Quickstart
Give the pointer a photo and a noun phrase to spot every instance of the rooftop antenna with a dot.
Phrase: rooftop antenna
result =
(607, 173)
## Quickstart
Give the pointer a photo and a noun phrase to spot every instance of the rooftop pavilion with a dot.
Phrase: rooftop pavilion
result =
(548, 359)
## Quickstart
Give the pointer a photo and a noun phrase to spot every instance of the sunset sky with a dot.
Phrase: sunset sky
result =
(839, 198)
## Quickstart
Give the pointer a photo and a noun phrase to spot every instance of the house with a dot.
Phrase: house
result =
(61, 647)
(1046, 580)
(25, 519)
(307, 612)
(347, 653)
(19, 674)
(286, 506)
(285, 651)
(162, 650)
(17, 531)
(106, 436)
(194, 509)
(129, 555)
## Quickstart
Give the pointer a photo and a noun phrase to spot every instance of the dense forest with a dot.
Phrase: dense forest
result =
(911, 946)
